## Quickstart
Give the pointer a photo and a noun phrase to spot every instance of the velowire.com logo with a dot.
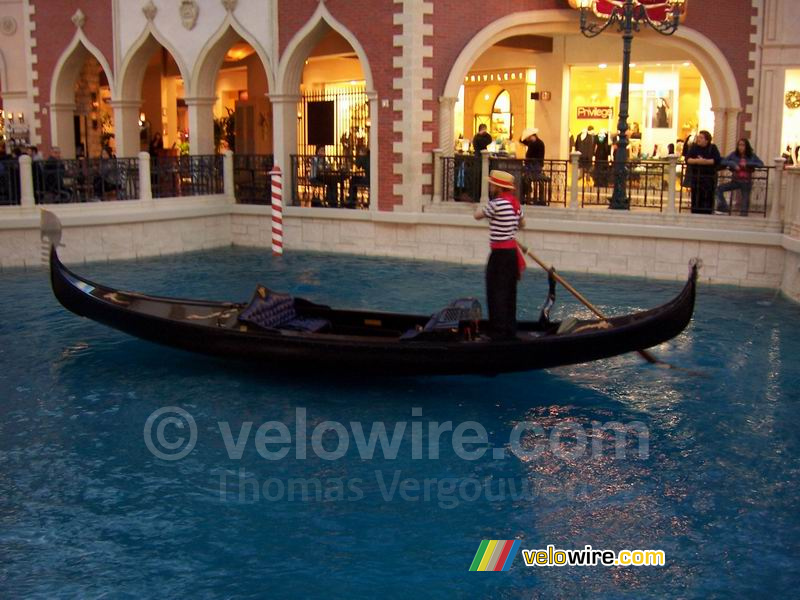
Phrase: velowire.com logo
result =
(495, 555)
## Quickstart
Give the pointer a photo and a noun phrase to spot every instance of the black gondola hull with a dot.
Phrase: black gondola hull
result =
(359, 354)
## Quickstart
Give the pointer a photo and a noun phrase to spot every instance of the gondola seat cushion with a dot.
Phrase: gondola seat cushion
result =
(271, 310)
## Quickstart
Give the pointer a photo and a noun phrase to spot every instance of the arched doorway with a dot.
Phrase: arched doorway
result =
(333, 119)
(81, 117)
(549, 46)
(152, 101)
(327, 101)
(231, 73)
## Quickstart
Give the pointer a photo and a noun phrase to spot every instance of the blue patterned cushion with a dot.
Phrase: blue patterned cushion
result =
(268, 309)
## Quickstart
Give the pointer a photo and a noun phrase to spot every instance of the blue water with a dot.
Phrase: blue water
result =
(87, 510)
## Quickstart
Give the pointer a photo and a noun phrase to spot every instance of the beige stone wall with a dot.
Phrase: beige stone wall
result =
(117, 230)
(723, 262)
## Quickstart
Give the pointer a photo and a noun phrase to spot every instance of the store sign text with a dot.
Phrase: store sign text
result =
(595, 112)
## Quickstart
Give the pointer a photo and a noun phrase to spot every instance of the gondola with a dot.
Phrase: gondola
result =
(279, 332)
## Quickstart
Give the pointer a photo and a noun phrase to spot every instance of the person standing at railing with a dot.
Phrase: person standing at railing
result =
(105, 180)
(703, 159)
(506, 262)
(321, 173)
(534, 166)
(742, 162)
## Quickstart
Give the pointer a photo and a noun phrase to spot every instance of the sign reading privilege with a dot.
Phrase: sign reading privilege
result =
(595, 112)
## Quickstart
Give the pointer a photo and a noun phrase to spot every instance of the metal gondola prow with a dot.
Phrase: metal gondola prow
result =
(51, 230)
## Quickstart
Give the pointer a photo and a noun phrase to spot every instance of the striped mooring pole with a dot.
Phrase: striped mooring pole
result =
(277, 211)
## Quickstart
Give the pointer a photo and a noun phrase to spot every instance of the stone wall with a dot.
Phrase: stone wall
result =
(748, 264)
(118, 230)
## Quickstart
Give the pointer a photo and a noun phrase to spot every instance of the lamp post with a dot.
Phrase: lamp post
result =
(629, 16)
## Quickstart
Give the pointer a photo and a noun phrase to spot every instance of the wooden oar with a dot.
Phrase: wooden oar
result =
(643, 353)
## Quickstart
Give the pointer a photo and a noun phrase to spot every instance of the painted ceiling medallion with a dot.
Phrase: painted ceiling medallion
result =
(230, 5)
(189, 12)
(79, 18)
(150, 10)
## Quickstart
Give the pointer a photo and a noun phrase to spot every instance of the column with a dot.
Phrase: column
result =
(201, 125)
(447, 107)
(284, 130)
(720, 128)
(145, 191)
(574, 158)
(437, 175)
(62, 128)
(776, 191)
(731, 130)
(374, 162)
(26, 197)
(791, 213)
(484, 175)
(126, 127)
(227, 177)
(672, 182)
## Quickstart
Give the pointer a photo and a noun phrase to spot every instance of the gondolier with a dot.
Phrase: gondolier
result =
(506, 262)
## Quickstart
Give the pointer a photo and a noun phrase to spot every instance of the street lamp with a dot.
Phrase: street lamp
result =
(629, 16)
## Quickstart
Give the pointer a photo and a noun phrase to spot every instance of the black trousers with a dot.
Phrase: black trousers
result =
(501, 293)
(703, 191)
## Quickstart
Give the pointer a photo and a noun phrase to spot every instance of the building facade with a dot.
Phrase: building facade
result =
(429, 72)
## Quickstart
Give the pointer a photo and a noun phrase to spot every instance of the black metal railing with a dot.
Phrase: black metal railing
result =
(700, 190)
(85, 180)
(462, 178)
(646, 183)
(175, 176)
(330, 181)
(539, 183)
(9, 182)
(252, 182)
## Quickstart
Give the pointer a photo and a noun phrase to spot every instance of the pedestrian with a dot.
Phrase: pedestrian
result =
(703, 159)
(481, 140)
(742, 162)
(506, 261)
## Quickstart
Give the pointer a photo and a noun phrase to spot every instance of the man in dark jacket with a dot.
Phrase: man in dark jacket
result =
(481, 140)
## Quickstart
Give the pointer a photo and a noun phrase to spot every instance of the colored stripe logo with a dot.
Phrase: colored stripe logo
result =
(495, 555)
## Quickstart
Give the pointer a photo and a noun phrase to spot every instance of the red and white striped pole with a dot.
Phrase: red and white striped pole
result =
(277, 211)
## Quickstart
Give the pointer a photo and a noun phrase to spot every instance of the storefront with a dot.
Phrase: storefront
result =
(499, 99)
(668, 102)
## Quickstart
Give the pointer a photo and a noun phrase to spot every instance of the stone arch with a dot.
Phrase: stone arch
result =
(3, 74)
(290, 75)
(62, 89)
(134, 65)
(128, 95)
(706, 56)
(213, 53)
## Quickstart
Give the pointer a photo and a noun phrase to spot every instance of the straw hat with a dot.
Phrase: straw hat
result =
(501, 179)
(526, 133)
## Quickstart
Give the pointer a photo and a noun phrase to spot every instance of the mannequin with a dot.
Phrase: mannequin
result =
(584, 144)
(602, 151)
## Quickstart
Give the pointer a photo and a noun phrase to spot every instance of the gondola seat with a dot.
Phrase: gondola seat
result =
(271, 310)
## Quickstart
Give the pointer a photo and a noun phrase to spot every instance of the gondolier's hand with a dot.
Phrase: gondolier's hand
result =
(479, 214)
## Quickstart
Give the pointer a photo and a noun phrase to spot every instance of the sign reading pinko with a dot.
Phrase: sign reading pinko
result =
(595, 112)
